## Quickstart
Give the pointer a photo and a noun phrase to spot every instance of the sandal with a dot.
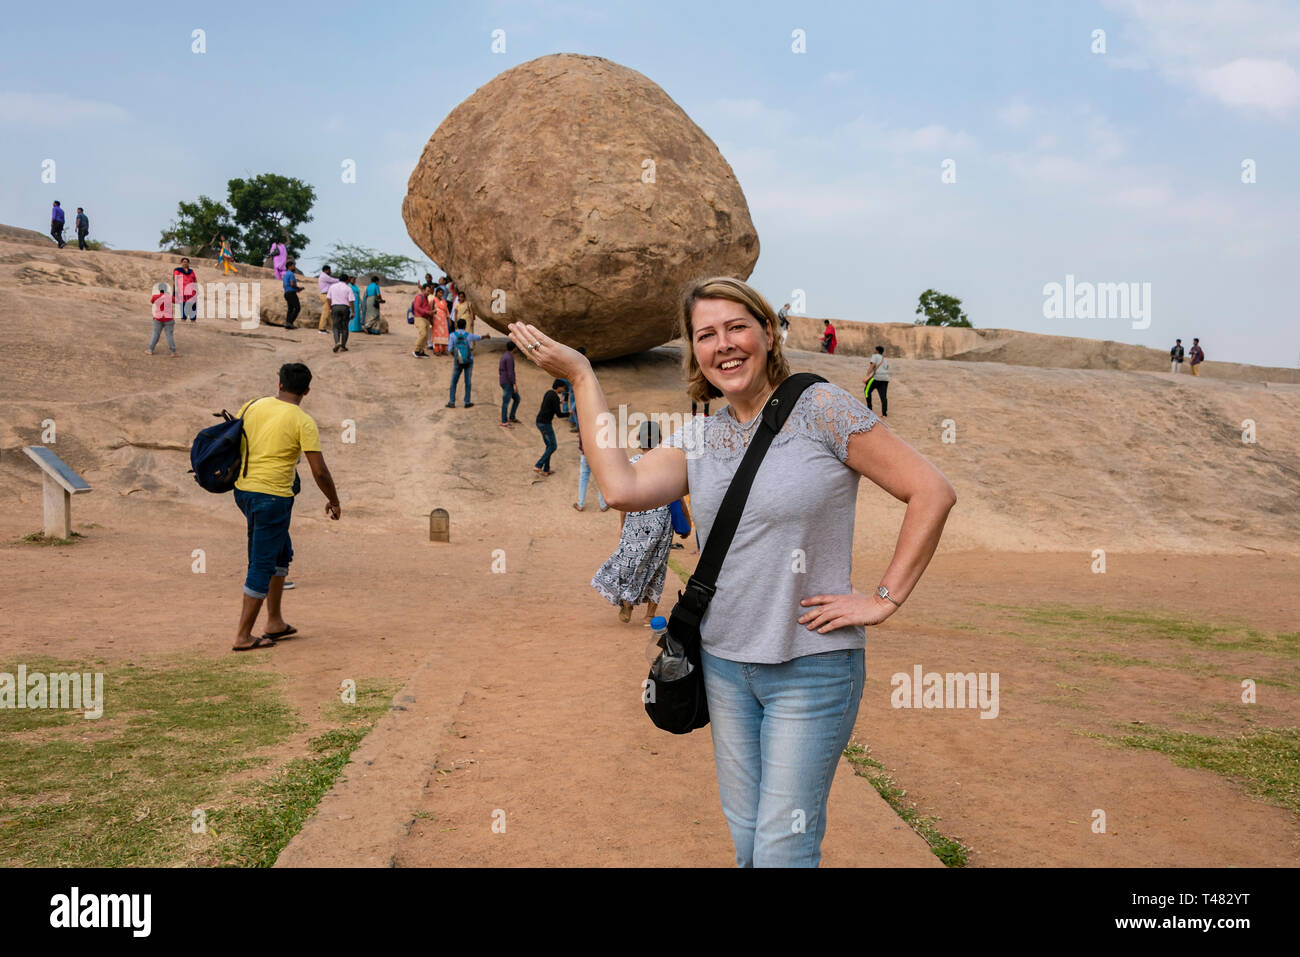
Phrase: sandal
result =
(577, 507)
(280, 635)
(262, 642)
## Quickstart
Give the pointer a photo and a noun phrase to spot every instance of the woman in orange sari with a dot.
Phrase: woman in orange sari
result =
(438, 337)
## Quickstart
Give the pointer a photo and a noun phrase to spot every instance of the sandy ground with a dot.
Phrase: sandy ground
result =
(521, 689)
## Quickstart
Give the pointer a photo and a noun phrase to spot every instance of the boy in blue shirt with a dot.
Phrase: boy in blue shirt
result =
(461, 350)
(291, 289)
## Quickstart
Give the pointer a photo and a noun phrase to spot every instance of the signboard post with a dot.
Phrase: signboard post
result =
(61, 483)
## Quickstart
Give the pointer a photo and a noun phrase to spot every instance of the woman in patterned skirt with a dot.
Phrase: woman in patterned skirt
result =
(635, 573)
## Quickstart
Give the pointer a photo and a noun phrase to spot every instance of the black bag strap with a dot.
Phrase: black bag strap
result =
(699, 590)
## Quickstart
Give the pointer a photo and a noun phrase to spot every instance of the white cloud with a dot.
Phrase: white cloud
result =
(56, 109)
(723, 115)
(929, 138)
(1016, 114)
(1268, 85)
(1143, 197)
(1238, 52)
(1104, 139)
(1052, 170)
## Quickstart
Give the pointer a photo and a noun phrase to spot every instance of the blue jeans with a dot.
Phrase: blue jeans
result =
(548, 435)
(160, 327)
(456, 370)
(507, 393)
(269, 548)
(584, 476)
(778, 731)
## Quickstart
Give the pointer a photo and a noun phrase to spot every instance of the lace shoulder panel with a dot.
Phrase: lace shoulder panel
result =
(830, 415)
(825, 413)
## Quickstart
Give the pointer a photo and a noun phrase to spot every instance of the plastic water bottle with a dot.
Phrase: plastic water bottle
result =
(668, 660)
(658, 636)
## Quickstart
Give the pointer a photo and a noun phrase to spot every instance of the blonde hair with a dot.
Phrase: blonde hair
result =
(699, 388)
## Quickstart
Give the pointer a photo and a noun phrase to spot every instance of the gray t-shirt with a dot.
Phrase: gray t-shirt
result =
(879, 367)
(795, 537)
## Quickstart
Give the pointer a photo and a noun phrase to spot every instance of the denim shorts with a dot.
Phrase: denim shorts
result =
(269, 548)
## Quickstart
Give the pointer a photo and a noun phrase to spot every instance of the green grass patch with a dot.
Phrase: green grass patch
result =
(275, 810)
(40, 538)
(1111, 658)
(1265, 762)
(118, 791)
(1065, 701)
(679, 569)
(949, 850)
(121, 790)
(1068, 620)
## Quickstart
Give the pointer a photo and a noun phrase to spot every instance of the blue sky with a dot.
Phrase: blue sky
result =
(1122, 166)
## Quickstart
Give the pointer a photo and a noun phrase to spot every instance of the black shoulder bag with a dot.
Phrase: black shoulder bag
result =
(674, 693)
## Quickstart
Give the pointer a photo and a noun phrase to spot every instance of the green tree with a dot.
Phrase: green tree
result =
(360, 261)
(940, 310)
(196, 227)
(269, 208)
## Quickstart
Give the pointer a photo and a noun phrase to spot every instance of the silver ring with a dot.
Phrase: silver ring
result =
(535, 345)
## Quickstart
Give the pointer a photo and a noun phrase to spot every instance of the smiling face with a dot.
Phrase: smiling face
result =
(731, 347)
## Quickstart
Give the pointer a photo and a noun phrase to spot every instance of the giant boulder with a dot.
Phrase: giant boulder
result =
(573, 193)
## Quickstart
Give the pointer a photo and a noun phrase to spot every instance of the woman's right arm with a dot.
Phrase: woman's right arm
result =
(659, 476)
(656, 479)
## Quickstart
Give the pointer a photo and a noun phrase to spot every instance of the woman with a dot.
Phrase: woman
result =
(225, 258)
(439, 337)
(370, 314)
(783, 638)
(279, 259)
(635, 573)
(357, 321)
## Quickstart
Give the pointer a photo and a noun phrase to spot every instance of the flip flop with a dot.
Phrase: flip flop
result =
(262, 642)
(278, 635)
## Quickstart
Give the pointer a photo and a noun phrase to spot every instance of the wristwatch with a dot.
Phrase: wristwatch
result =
(883, 592)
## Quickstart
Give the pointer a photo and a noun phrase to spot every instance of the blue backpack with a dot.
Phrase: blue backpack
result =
(460, 346)
(218, 450)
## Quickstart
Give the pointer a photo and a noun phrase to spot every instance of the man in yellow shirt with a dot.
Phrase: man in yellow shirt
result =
(276, 431)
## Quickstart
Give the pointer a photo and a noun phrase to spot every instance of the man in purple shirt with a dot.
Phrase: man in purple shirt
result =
(326, 280)
(506, 371)
(56, 224)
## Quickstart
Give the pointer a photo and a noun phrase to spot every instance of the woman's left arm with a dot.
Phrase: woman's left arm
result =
(903, 472)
